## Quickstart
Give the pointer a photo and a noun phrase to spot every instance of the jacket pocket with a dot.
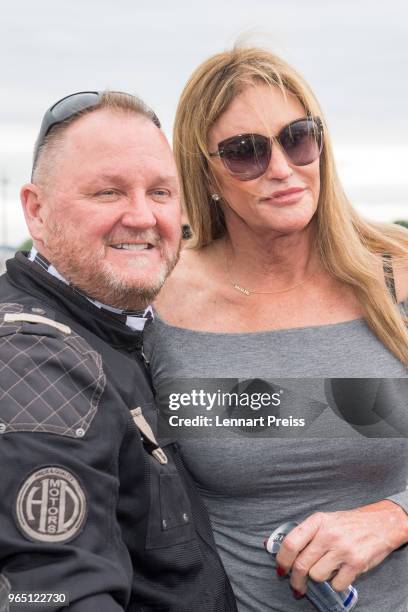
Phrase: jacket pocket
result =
(170, 516)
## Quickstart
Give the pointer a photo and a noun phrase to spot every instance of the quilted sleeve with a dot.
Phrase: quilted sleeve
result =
(59, 484)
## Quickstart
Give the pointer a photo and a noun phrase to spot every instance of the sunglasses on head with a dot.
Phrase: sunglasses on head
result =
(62, 110)
(247, 156)
(67, 108)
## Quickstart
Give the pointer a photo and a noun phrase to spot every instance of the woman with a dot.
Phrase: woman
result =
(283, 279)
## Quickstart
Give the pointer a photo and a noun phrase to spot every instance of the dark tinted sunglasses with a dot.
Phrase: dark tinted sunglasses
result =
(247, 156)
(62, 110)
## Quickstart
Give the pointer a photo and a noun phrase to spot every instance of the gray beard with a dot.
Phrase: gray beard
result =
(84, 270)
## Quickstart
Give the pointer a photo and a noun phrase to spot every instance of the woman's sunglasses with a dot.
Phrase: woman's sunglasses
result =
(247, 156)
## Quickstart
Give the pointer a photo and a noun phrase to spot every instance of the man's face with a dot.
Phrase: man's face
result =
(111, 214)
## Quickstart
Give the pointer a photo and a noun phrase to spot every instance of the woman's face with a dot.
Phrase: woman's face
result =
(258, 203)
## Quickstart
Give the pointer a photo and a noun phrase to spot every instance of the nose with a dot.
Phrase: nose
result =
(139, 213)
(279, 167)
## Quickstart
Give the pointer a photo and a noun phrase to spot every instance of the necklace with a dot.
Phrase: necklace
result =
(249, 292)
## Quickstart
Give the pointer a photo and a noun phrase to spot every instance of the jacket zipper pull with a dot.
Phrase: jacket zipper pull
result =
(147, 433)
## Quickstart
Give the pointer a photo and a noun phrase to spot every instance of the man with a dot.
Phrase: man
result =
(92, 509)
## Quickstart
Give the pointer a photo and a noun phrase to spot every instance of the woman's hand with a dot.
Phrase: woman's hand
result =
(342, 544)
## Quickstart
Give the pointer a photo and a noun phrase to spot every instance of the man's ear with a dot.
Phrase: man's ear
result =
(31, 200)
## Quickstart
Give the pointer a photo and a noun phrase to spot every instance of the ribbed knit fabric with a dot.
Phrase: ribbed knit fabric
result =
(250, 486)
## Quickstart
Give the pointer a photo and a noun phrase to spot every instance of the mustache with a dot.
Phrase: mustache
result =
(150, 236)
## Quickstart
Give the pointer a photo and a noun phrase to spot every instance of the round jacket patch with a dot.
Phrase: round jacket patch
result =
(51, 506)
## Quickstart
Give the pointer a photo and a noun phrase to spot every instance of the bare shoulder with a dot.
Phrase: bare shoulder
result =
(181, 284)
(401, 280)
(400, 262)
(399, 273)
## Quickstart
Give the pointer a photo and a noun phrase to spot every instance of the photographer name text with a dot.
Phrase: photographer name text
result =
(218, 421)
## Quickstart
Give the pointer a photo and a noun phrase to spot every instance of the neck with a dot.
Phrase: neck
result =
(266, 262)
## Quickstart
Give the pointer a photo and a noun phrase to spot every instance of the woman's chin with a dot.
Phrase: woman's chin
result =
(288, 225)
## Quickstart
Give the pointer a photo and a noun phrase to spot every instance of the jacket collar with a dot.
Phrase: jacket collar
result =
(65, 299)
(135, 319)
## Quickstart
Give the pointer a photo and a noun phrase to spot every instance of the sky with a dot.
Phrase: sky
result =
(354, 54)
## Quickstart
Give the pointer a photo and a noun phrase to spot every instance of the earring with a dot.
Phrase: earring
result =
(215, 197)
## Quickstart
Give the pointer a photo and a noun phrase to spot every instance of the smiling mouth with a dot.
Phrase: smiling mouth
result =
(127, 246)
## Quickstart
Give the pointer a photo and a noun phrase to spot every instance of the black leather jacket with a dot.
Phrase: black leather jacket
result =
(85, 508)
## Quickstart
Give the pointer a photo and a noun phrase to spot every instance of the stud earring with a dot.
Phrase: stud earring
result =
(215, 197)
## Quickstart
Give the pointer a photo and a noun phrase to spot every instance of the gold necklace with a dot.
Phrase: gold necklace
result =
(249, 292)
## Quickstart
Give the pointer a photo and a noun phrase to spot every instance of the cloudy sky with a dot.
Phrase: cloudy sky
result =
(354, 53)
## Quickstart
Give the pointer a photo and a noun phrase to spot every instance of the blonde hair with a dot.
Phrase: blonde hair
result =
(349, 246)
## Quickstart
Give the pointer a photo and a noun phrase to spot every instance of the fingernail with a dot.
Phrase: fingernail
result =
(296, 594)
(280, 571)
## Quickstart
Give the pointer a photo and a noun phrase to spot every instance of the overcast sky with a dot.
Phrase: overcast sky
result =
(354, 53)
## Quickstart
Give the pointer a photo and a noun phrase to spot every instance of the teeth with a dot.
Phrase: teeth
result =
(131, 247)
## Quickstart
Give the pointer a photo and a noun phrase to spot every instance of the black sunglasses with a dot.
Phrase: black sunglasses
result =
(247, 156)
(64, 109)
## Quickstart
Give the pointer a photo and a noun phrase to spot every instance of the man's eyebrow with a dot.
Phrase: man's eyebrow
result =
(165, 178)
(117, 178)
(120, 178)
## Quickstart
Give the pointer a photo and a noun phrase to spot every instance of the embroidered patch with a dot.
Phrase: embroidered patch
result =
(51, 506)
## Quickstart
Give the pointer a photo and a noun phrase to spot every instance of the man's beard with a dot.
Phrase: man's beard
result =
(89, 272)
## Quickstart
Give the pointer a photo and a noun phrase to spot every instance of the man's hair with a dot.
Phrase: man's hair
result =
(110, 100)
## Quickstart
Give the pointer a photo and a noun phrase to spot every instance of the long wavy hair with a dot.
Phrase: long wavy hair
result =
(350, 247)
